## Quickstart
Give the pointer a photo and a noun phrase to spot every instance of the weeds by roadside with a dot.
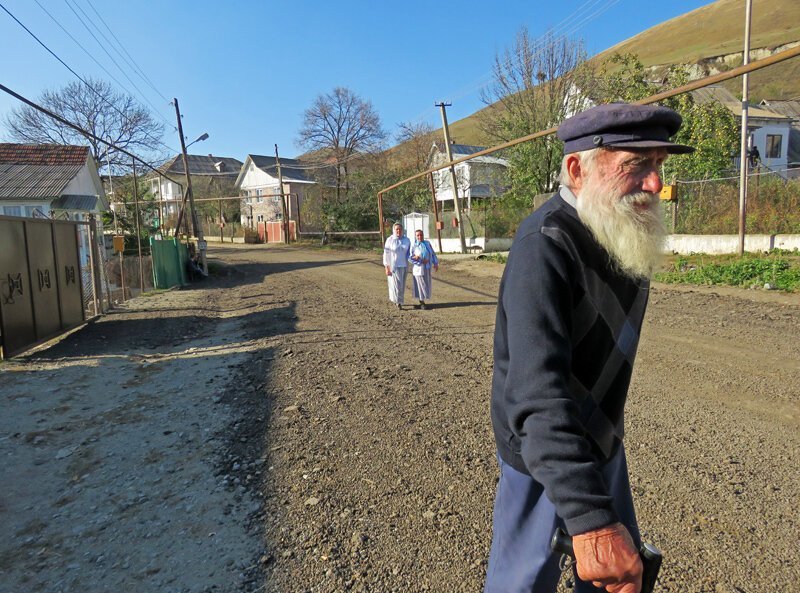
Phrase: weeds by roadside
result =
(777, 269)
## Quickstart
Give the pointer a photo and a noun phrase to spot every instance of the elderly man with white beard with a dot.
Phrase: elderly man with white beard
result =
(570, 309)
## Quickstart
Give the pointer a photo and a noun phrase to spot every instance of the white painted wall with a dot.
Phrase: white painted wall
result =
(83, 184)
(24, 207)
(760, 140)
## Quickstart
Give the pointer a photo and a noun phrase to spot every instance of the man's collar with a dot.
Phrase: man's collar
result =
(569, 197)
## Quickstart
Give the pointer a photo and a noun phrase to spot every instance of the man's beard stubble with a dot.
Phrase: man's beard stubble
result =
(629, 227)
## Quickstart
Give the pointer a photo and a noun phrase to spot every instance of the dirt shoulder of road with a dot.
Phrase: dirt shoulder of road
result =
(282, 427)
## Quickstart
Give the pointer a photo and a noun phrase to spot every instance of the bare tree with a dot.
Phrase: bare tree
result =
(414, 143)
(341, 125)
(98, 109)
(532, 90)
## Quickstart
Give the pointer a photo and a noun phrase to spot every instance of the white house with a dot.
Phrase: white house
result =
(479, 177)
(768, 130)
(214, 170)
(50, 180)
(790, 109)
(258, 185)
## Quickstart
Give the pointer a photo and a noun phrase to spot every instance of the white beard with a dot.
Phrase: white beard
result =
(630, 227)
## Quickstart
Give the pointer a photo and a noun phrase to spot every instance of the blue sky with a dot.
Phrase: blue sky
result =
(244, 71)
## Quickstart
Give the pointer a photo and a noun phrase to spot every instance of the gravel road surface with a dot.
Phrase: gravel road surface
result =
(280, 427)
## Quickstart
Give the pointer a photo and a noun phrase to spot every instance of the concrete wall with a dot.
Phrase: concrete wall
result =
(719, 244)
(681, 244)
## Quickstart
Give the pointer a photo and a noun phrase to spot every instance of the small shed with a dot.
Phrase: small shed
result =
(415, 221)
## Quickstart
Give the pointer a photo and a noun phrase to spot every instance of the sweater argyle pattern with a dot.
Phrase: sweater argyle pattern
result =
(566, 336)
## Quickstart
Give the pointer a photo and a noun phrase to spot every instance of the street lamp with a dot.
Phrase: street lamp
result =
(200, 139)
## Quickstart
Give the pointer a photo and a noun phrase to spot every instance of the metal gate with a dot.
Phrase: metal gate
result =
(41, 293)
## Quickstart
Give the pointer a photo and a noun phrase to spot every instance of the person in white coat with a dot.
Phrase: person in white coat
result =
(395, 261)
(422, 259)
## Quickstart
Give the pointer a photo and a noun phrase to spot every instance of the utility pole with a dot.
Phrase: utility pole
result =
(449, 150)
(196, 228)
(743, 160)
(138, 229)
(283, 198)
(435, 210)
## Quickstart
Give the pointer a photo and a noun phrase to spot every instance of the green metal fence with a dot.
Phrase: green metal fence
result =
(169, 262)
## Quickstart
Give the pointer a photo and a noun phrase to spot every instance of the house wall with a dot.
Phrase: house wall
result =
(84, 184)
(24, 207)
(475, 179)
(267, 208)
(760, 140)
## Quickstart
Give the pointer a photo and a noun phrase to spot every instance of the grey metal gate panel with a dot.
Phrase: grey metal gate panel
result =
(16, 308)
(69, 275)
(44, 283)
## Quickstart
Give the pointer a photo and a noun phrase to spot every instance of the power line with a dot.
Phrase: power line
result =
(78, 76)
(78, 43)
(102, 46)
(83, 132)
(566, 27)
(135, 65)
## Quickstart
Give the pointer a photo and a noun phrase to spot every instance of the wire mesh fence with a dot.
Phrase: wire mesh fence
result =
(712, 207)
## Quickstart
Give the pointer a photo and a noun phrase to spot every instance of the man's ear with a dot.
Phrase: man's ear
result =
(575, 172)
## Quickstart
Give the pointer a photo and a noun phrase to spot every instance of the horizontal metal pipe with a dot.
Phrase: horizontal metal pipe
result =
(703, 82)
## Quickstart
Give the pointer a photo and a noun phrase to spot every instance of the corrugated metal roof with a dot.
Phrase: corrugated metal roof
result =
(291, 169)
(87, 203)
(789, 108)
(43, 154)
(35, 181)
(203, 165)
(462, 150)
(734, 105)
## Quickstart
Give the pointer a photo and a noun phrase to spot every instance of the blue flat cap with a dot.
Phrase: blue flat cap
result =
(624, 126)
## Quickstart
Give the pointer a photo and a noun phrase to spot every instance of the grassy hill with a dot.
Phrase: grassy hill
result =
(698, 37)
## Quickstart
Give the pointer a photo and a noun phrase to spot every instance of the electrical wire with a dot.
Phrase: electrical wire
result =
(78, 76)
(83, 132)
(110, 57)
(562, 30)
(133, 63)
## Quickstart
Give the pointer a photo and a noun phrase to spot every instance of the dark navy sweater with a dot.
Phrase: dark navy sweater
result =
(566, 335)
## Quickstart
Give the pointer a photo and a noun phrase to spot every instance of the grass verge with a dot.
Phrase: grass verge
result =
(777, 270)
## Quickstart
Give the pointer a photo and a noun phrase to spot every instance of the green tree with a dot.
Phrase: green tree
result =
(532, 90)
(708, 126)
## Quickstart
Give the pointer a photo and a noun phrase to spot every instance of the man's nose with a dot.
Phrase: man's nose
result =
(652, 183)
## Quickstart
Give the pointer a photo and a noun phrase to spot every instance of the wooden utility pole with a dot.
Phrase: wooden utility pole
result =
(449, 150)
(138, 227)
(283, 198)
(196, 228)
(380, 216)
(435, 210)
(743, 160)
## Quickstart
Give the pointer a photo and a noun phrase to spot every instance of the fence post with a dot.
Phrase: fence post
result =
(94, 262)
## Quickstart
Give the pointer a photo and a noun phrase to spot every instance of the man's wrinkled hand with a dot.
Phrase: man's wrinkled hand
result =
(607, 557)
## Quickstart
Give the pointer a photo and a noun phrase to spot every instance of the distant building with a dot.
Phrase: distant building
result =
(790, 109)
(769, 131)
(258, 186)
(50, 180)
(480, 177)
(212, 176)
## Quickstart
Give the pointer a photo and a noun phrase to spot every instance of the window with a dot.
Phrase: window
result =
(29, 211)
(774, 145)
(12, 210)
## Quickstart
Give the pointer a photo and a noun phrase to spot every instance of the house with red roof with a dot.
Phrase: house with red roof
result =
(50, 180)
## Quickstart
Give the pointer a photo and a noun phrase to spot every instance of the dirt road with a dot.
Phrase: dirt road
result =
(285, 429)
